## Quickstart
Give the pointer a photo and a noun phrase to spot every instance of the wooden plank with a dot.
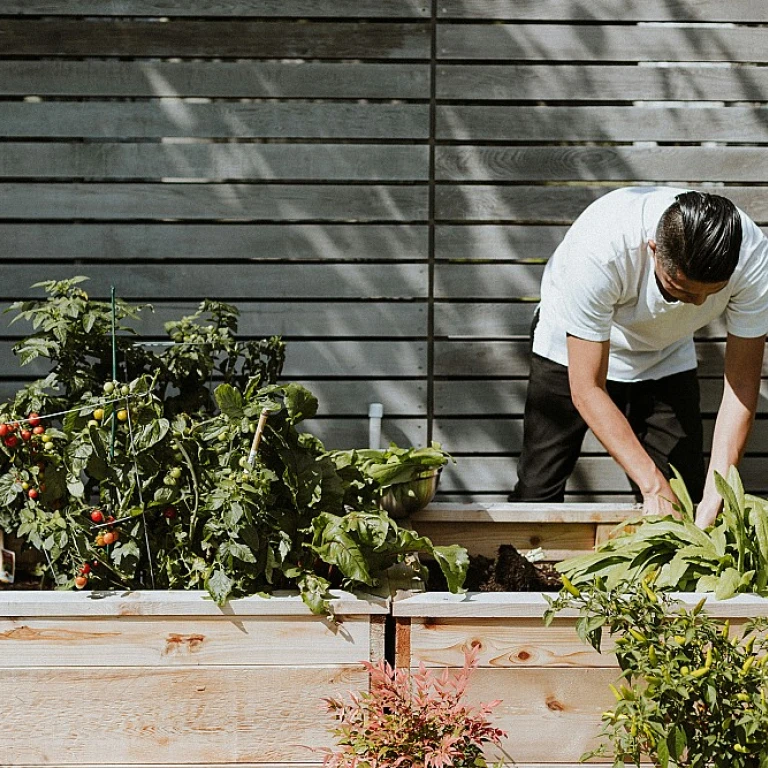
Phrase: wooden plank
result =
(493, 243)
(216, 38)
(488, 281)
(594, 123)
(180, 119)
(385, 9)
(525, 605)
(203, 202)
(306, 360)
(220, 715)
(343, 434)
(184, 603)
(159, 642)
(605, 10)
(558, 542)
(604, 42)
(554, 204)
(527, 513)
(213, 162)
(522, 644)
(253, 242)
(496, 474)
(505, 397)
(630, 164)
(272, 281)
(505, 435)
(472, 319)
(214, 79)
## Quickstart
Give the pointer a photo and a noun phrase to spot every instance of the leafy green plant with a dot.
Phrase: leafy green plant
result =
(370, 472)
(156, 482)
(412, 719)
(729, 557)
(689, 694)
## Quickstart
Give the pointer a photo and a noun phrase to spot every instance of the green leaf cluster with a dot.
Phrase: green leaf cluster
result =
(187, 498)
(729, 557)
(692, 692)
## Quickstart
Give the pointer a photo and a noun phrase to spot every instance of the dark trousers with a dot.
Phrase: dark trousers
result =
(663, 413)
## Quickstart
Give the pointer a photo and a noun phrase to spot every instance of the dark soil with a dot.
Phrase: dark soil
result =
(509, 572)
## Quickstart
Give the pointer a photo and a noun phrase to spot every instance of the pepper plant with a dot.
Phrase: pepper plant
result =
(692, 693)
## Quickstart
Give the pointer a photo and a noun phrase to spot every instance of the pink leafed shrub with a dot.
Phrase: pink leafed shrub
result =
(412, 719)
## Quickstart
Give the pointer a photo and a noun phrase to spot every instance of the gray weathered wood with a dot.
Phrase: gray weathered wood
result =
(604, 124)
(486, 281)
(510, 358)
(343, 434)
(220, 79)
(178, 118)
(554, 204)
(505, 436)
(605, 10)
(146, 282)
(489, 474)
(599, 83)
(212, 242)
(474, 319)
(385, 9)
(562, 42)
(495, 243)
(201, 202)
(506, 398)
(627, 164)
(214, 38)
(215, 162)
(305, 360)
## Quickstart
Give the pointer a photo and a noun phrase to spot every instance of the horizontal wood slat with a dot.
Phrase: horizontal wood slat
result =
(510, 358)
(202, 202)
(272, 281)
(496, 243)
(604, 124)
(168, 119)
(305, 360)
(220, 715)
(553, 204)
(217, 242)
(218, 38)
(215, 162)
(561, 42)
(212, 79)
(384, 9)
(628, 164)
(505, 398)
(592, 475)
(180, 641)
(344, 434)
(605, 10)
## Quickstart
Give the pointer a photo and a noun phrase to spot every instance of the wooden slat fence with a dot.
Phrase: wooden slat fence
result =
(379, 181)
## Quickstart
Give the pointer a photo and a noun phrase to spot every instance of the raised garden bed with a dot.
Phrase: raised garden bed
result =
(140, 678)
(553, 687)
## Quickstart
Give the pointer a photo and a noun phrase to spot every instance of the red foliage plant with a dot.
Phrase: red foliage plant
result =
(412, 720)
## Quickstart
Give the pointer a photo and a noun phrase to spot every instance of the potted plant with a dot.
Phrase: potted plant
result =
(412, 719)
(689, 693)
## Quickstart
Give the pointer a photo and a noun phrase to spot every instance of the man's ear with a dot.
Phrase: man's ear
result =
(652, 245)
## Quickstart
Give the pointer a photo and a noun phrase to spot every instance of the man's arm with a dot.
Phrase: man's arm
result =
(587, 372)
(743, 365)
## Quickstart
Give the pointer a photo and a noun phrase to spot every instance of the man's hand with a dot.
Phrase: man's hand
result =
(707, 511)
(660, 501)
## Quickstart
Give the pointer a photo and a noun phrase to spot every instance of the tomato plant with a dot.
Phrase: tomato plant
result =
(149, 480)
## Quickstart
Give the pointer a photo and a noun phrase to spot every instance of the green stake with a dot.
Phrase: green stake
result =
(114, 369)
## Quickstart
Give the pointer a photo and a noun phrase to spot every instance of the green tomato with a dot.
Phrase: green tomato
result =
(175, 472)
(109, 387)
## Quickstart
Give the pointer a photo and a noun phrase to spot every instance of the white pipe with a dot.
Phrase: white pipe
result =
(375, 413)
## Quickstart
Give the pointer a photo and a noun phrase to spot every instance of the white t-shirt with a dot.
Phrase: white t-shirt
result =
(600, 284)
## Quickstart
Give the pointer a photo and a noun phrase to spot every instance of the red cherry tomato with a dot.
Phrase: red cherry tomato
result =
(33, 419)
(97, 516)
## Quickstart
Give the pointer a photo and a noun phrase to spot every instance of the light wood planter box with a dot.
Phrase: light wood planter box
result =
(552, 686)
(561, 530)
(171, 679)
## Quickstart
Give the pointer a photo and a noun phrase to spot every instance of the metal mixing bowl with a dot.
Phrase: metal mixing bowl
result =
(403, 499)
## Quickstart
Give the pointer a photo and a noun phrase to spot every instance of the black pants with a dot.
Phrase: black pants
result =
(664, 414)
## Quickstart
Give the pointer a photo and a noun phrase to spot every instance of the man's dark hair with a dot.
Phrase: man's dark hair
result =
(700, 236)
